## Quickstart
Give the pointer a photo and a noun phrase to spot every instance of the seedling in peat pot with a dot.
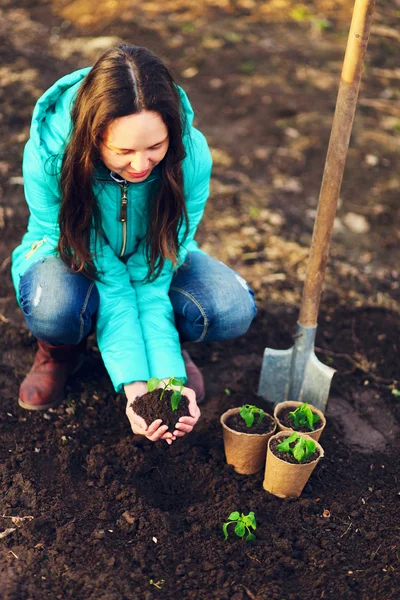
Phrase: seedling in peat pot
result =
(248, 413)
(302, 450)
(243, 524)
(303, 416)
(176, 397)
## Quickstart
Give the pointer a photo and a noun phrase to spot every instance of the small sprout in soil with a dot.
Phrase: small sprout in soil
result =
(243, 524)
(303, 416)
(248, 413)
(64, 440)
(227, 391)
(396, 393)
(176, 397)
(302, 450)
(157, 584)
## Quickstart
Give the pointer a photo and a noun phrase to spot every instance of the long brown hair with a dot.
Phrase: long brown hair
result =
(125, 80)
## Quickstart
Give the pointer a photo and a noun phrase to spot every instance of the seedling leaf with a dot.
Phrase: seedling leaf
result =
(304, 416)
(240, 529)
(175, 400)
(248, 413)
(301, 451)
(152, 384)
(243, 525)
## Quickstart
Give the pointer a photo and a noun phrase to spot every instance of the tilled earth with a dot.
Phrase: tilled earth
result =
(97, 514)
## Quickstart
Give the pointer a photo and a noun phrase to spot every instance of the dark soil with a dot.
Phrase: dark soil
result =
(150, 407)
(286, 420)
(236, 423)
(288, 457)
(113, 512)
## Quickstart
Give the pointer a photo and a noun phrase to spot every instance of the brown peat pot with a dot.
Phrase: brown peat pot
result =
(245, 451)
(292, 405)
(284, 479)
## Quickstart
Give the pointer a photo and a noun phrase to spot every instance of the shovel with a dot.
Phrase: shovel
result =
(297, 374)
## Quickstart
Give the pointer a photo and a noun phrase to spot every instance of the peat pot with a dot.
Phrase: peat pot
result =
(284, 479)
(245, 451)
(292, 405)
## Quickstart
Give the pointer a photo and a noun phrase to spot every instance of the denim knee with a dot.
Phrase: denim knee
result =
(58, 304)
(214, 310)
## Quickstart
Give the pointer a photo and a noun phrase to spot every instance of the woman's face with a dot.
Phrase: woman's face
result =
(133, 145)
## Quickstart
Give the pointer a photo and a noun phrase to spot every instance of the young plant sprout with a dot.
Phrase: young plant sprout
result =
(243, 524)
(301, 451)
(176, 397)
(248, 413)
(303, 416)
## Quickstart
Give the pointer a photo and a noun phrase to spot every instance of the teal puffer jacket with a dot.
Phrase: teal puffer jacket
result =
(135, 327)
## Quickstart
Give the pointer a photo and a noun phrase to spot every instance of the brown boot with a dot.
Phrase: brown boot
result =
(44, 385)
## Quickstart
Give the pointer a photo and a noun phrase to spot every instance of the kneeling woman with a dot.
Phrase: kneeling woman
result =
(116, 179)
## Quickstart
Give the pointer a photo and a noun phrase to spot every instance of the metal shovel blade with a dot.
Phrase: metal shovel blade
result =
(296, 373)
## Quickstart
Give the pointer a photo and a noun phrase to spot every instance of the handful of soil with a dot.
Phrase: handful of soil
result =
(236, 423)
(150, 408)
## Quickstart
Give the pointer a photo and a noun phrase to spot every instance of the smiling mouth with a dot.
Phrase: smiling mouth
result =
(138, 174)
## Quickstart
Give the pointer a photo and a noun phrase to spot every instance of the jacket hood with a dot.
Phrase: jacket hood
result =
(51, 119)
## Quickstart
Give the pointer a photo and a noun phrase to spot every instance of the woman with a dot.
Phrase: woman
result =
(116, 179)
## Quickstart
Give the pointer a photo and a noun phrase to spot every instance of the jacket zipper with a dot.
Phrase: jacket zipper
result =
(35, 246)
(123, 216)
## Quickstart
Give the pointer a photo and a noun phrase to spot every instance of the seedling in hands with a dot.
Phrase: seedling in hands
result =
(243, 524)
(248, 413)
(176, 397)
(301, 451)
(303, 416)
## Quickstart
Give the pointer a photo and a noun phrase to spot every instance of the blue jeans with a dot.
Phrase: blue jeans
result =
(211, 301)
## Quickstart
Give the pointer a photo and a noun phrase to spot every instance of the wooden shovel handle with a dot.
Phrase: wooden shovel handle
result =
(335, 159)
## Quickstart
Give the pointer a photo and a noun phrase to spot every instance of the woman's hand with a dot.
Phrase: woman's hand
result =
(185, 424)
(153, 432)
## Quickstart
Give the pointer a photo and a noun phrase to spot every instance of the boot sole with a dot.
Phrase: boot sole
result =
(26, 406)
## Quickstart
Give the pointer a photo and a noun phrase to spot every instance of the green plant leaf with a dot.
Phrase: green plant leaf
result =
(252, 520)
(285, 445)
(250, 537)
(152, 384)
(396, 393)
(176, 381)
(175, 400)
(315, 418)
(261, 416)
(225, 530)
(310, 447)
(240, 529)
(234, 516)
(299, 450)
(310, 417)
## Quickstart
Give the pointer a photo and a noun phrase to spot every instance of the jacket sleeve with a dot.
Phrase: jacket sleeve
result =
(155, 310)
(119, 334)
(118, 328)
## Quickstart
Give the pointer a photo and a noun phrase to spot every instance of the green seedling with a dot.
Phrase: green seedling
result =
(243, 523)
(157, 584)
(304, 416)
(302, 450)
(248, 413)
(396, 393)
(176, 397)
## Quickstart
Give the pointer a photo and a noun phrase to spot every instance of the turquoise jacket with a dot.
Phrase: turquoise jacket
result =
(135, 328)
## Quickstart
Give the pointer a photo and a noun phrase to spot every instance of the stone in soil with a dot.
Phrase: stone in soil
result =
(236, 423)
(288, 457)
(150, 407)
